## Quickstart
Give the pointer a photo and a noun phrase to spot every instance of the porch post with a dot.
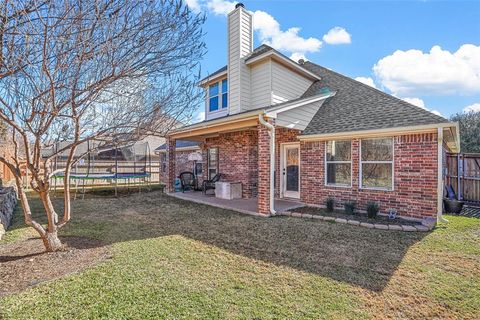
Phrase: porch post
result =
(170, 148)
(263, 184)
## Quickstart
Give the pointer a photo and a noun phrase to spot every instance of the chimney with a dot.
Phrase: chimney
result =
(240, 45)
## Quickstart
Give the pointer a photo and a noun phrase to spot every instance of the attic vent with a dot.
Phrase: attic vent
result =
(301, 62)
(239, 5)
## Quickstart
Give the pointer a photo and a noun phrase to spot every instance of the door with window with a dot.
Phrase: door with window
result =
(290, 170)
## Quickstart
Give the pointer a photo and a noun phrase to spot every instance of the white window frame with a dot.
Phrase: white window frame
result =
(221, 108)
(208, 162)
(339, 162)
(391, 162)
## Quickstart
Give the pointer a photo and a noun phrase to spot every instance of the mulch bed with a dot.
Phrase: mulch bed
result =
(358, 216)
(25, 263)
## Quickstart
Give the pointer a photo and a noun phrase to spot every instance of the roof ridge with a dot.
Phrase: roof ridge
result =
(356, 82)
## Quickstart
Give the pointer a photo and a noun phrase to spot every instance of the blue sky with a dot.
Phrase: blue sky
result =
(426, 52)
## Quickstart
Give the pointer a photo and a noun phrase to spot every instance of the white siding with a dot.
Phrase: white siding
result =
(261, 85)
(287, 84)
(298, 118)
(240, 44)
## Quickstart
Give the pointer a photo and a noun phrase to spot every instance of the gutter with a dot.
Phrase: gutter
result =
(440, 217)
(271, 133)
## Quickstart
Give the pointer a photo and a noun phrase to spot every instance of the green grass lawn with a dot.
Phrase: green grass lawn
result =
(174, 259)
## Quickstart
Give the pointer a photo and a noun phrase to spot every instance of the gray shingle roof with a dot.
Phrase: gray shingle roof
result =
(179, 144)
(357, 106)
(222, 69)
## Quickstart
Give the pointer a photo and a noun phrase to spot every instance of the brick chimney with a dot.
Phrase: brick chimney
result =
(240, 45)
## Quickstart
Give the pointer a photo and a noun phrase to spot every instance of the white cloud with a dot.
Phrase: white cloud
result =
(200, 116)
(420, 103)
(297, 56)
(366, 80)
(436, 72)
(221, 7)
(269, 32)
(337, 35)
(472, 108)
(194, 5)
(416, 102)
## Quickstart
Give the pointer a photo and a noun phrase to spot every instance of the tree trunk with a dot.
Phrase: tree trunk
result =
(52, 242)
(50, 239)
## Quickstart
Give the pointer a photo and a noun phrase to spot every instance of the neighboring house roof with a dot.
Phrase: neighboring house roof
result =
(212, 75)
(357, 106)
(179, 144)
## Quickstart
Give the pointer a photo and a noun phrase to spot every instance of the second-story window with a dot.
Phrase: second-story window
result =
(218, 96)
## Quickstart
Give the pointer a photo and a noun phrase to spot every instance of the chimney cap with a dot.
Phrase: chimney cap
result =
(239, 5)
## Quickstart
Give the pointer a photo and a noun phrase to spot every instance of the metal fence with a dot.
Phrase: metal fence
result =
(463, 174)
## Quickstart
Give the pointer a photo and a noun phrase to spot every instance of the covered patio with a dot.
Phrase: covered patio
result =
(248, 206)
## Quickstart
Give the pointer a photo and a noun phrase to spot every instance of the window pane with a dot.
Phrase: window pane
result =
(339, 150)
(212, 157)
(213, 90)
(213, 105)
(377, 150)
(377, 175)
(224, 86)
(224, 100)
(339, 174)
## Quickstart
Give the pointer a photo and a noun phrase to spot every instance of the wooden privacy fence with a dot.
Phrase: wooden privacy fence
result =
(463, 174)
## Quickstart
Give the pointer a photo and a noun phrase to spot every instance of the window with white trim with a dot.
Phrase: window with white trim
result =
(218, 96)
(212, 162)
(338, 163)
(376, 164)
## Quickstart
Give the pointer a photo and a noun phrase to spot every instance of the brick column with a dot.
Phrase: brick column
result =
(263, 185)
(170, 144)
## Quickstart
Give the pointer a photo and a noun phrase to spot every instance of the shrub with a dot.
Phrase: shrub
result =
(372, 209)
(350, 207)
(330, 203)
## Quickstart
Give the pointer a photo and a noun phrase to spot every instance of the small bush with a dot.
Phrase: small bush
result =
(350, 207)
(372, 210)
(330, 203)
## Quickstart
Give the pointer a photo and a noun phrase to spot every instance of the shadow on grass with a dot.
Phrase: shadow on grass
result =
(358, 256)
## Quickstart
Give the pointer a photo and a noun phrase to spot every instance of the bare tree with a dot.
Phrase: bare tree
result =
(77, 71)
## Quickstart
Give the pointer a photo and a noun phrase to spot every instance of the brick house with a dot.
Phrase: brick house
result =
(297, 130)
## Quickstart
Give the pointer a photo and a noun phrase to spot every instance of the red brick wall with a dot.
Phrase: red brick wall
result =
(181, 164)
(415, 177)
(263, 163)
(237, 155)
(282, 135)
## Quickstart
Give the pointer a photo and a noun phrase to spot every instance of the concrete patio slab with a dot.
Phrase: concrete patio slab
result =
(248, 206)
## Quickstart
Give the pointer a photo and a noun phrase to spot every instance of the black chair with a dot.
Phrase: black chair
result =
(210, 184)
(187, 180)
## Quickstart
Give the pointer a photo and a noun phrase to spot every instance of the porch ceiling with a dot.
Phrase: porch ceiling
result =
(211, 129)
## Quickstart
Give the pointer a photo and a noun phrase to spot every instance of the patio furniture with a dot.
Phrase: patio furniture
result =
(228, 190)
(451, 203)
(210, 184)
(187, 180)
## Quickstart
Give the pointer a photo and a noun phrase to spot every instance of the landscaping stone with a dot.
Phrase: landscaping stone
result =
(296, 214)
(353, 222)
(422, 228)
(380, 226)
(408, 228)
(307, 215)
(429, 222)
(319, 217)
(340, 220)
(329, 219)
(394, 227)
(366, 225)
(8, 201)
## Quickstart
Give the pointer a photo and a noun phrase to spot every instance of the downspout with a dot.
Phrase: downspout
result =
(440, 217)
(271, 133)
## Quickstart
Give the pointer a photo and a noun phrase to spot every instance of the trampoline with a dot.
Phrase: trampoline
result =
(120, 166)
